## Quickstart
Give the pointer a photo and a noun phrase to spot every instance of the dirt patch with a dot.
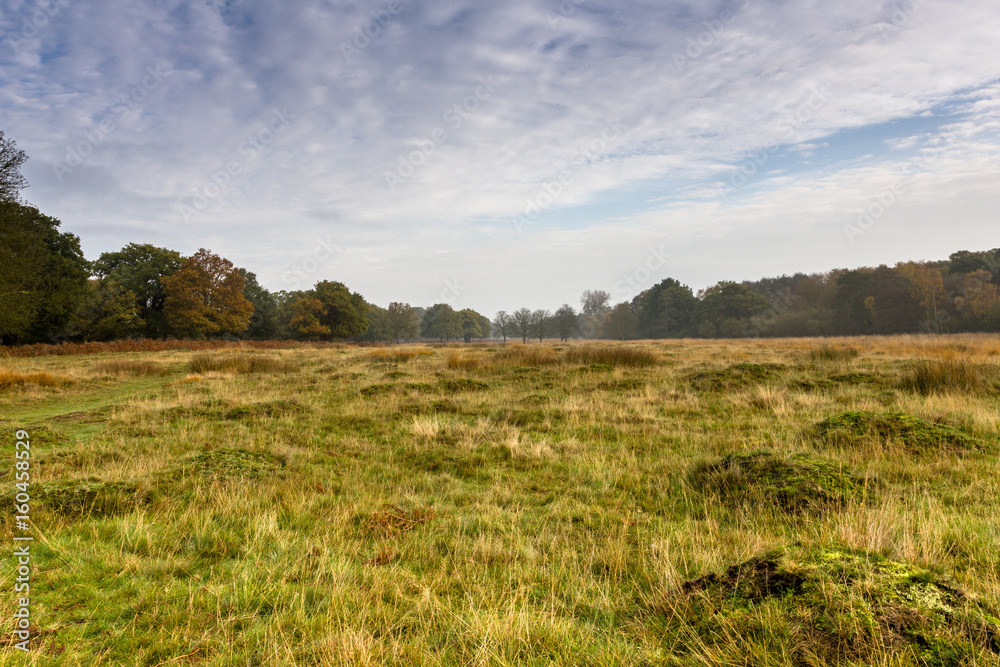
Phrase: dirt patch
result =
(853, 429)
(796, 484)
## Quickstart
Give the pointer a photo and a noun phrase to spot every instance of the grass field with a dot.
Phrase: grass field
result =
(786, 502)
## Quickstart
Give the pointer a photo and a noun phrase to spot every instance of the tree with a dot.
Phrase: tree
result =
(595, 306)
(927, 289)
(666, 310)
(344, 310)
(621, 322)
(305, 313)
(141, 268)
(441, 321)
(11, 180)
(729, 307)
(503, 325)
(379, 325)
(980, 298)
(565, 322)
(43, 275)
(474, 325)
(109, 312)
(541, 323)
(264, 320)
(523, 322)
(403, 321)
(205, 297)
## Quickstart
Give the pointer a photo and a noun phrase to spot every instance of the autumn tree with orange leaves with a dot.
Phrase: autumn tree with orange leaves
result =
(204, 297)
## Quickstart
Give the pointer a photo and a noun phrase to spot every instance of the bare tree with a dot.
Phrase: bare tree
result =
(541, 323)
(523, 321)
(503, 325)
(11, 180)
(596, 306)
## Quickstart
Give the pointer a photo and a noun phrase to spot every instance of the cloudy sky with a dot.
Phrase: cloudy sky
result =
(511, 153)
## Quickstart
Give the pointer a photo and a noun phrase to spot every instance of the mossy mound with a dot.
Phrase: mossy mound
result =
(89, 497)
(796, 483)
(852, 429)
(832, 607)
(453, 385)
(234, 464)
(733, 377)
(623, 384)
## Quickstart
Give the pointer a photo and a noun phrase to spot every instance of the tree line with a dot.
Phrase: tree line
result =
(50, 292)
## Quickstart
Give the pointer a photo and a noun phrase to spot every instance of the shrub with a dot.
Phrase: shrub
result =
(831, 353)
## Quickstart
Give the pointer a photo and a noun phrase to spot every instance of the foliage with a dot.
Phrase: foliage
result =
(109, 312)
(263, 324)
(11, 160)
(205, 297)
(403, 321)
(344, 312)
(141, 269)
(441, 321)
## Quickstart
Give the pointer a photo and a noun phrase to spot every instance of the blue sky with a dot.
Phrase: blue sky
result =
(513, 153)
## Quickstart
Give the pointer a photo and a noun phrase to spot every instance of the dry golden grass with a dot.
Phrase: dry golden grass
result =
(130, 367)
(240, 363)
(10, 377)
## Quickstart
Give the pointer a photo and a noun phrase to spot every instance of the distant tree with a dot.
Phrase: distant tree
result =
(11, 160)
(205, 297)
(729, 307)
(503, 325)
(565, 322)
(621, 322)
(927, 289)
(379, 325)
(595, 305)
(264, 320)
(441, 321)
(523, 324)
(666, 310)
(403, 321)
(109, 312)
(979, 303)
(141, 268)
(305, 313)
(474, 325)
(344, 311)
(963, 262)
(541, 324)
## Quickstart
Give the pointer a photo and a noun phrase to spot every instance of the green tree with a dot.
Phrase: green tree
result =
(565, 322)
(441, 321)
(264, 320)
(344, 310)
(403, 321)
(666, 310)
(729, 307)
(620, 323)
(205, 297)
(474, 325)
(379, 325)
(109, 312)
(141, 268)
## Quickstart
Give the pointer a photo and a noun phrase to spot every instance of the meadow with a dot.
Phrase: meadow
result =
(698, 502)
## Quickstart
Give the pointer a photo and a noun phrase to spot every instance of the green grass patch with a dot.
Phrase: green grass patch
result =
(89, 497)
(736, 376)
(234, 464)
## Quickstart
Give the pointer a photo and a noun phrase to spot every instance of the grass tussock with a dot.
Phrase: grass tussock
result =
(234, 465)
(240, 364)
(524, 355)
(831, 606)
(618, 356)
(118, 367)
(10, 378)
(398, 355)
(89, 497)
(796, 483)
(735, 376)
(952, 376)
(832, 353)
(887, 429)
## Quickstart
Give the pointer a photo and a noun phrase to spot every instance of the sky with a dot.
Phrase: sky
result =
(512, 153)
